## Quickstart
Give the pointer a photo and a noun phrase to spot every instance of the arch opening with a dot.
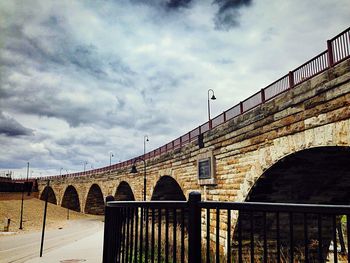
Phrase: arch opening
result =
(94, 201)
(51, 197)
(124, 192)
(70, 199)
(314, 176)
(167, 189)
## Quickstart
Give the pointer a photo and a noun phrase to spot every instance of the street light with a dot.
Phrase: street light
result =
(145, 139)
(21, 220)
(134, 171)
(61, 171)
(110, 158)
(85, 163)
(212, 98)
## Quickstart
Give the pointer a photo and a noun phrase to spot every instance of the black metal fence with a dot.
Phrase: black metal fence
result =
(196, 231)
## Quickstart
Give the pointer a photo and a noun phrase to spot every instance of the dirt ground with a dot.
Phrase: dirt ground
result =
(33, 211)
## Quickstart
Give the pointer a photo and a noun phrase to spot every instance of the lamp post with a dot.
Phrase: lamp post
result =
(212, 98)
(21, 220)
(134, 170)
(110, 161)
(145, 139)
(85, 163)
(61, 171)
(110, 158)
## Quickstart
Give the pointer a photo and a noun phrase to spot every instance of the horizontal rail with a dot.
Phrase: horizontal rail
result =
(152, 204)
(274, 207)
(338, 50)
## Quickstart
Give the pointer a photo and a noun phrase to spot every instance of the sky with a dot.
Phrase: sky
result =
(81, 80)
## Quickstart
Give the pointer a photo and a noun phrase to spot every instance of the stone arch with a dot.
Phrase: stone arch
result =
(167, 188)
(329, 135)
(94, 201)
(51, 198)
(70, 199)
(124, 192)
(318, 175)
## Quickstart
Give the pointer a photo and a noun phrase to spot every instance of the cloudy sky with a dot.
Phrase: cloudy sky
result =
(81, 79)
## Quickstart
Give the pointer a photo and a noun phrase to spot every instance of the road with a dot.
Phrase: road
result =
(79, 241)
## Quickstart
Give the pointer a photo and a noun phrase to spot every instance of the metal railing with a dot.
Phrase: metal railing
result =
(338, 50)
(197, 231)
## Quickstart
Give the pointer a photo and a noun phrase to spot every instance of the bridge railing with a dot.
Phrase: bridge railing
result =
(338, 50)
(196, 231)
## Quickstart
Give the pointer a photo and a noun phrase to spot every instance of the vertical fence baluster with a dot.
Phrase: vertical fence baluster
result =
(217, 241)
(141, 234)
(120, 238)
(251, 219)
(228, 236)
(208, 237)
(265, 237)
(320, 246)
(240, 260)
(119, 231)
(146, 235)
(136, 232)
(335, 245)
(166, 235)
(152, 237)
(343, 47)
(174, 235)
(306, 239)
(291, 237)
(127, 233)
(348, 235)
(182, 235)
(123, 235)
(159, 234)
(132, 215)
(347, 44)
(278, 237)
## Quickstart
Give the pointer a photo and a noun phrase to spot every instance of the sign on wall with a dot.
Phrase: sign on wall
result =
(206, 168)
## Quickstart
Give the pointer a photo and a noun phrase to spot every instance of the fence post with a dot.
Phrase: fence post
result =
(241, 107)
(262, 92)
(291, 79)
(110, 234)
(194, 228)
(330, 53)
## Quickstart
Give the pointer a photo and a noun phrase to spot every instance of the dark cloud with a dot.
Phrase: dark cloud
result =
(229, 13)
(10, 127)
(165, 4)
(178, 3)
(226, 18)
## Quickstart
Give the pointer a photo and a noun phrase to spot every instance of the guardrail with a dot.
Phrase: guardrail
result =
(180, 231)
(338, 50)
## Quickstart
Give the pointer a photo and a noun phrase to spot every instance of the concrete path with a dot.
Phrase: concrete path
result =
(80, 241)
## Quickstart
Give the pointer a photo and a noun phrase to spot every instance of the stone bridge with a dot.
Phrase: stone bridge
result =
(288, 143)
(293, 148)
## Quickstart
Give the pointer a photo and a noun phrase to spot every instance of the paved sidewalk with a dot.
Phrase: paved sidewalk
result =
(79, 241)
(88, 249)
